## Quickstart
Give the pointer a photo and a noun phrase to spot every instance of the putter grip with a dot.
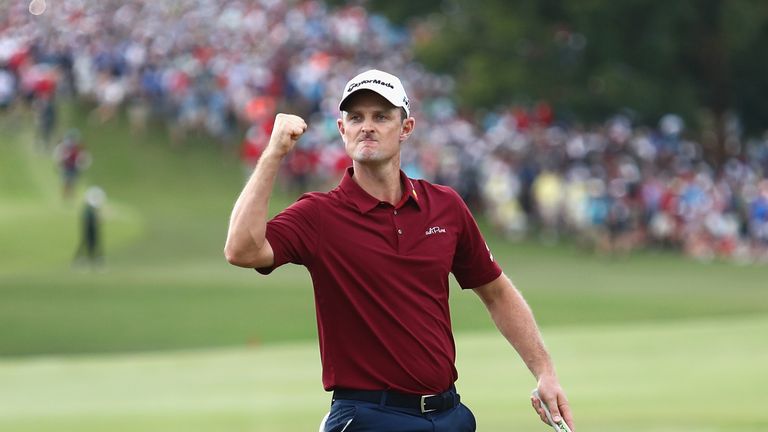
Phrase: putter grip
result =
(558, 427)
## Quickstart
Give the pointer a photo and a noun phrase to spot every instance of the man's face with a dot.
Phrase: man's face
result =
(372, 128)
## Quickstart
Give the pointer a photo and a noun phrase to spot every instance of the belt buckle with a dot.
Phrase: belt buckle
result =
(423, 404)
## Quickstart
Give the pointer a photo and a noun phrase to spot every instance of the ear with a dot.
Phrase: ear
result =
(340, 126)
(408, 125)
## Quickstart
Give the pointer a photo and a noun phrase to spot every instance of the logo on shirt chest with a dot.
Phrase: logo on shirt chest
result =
(434, 230)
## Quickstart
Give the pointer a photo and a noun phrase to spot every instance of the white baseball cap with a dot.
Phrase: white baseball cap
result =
(385, 84)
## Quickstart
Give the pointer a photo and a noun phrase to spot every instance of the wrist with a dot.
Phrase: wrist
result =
(272, 152)
(545, 374)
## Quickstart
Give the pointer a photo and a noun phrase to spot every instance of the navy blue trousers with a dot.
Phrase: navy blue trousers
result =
(356, 416)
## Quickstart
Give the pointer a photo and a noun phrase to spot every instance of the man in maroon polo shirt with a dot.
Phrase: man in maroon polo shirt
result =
(379, 248)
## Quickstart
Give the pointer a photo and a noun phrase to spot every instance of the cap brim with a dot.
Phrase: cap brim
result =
(394, 103)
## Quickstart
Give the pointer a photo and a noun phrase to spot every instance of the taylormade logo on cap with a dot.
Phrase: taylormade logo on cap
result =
(370, 81)
(385, 84)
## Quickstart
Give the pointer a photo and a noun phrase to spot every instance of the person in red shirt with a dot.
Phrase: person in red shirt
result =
(72, 158)
(379, 248)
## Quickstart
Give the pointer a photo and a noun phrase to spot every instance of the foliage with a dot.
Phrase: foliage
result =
(592, 58)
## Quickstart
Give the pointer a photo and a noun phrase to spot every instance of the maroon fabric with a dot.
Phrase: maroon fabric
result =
(380, 275)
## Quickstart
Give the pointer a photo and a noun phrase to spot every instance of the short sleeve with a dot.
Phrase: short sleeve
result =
(473, 263)
(293, 233)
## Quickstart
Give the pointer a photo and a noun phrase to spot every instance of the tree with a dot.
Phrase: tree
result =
(590, 58)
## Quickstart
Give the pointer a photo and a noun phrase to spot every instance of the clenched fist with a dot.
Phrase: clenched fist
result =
(287, 130)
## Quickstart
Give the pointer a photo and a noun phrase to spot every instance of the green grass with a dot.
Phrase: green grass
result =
(700, 375)
(168, 336)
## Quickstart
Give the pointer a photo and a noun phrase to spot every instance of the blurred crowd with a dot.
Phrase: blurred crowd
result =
(219, 67)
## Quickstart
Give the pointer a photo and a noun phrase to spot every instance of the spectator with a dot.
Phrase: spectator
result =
(253, 145)
(7, 89)
(72, 158)
(205, 66)
(90, 249)
(46, 119)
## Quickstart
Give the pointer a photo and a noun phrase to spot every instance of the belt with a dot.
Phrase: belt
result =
(422, 403)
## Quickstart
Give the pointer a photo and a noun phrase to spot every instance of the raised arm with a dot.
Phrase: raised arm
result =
(246, 244)
(512, 315)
